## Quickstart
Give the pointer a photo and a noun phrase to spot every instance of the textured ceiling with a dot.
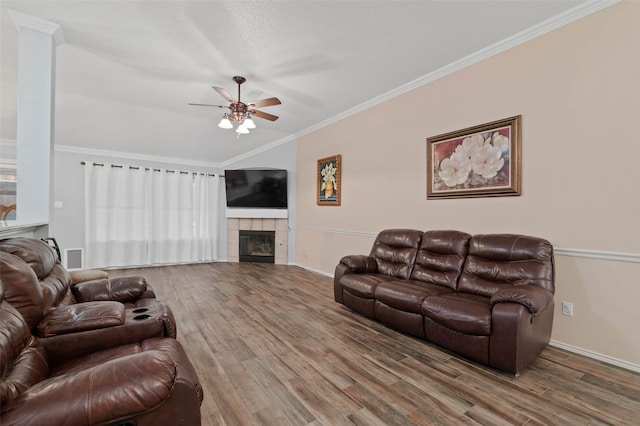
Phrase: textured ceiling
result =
(127, 69)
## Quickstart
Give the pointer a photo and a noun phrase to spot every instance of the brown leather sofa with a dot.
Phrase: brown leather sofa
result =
(486, 297)
(151, 382)
(73, 320)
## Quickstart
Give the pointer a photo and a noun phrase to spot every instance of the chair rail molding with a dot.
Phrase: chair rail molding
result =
(558, 251)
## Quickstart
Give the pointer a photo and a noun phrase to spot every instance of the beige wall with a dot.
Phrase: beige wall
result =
(578, 91)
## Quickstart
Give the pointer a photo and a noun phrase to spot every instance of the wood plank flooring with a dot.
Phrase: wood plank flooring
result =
(272, 347)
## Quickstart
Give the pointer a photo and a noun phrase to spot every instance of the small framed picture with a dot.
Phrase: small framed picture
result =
(328, 181)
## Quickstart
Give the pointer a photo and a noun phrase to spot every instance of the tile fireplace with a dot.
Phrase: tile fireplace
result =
(236, 238)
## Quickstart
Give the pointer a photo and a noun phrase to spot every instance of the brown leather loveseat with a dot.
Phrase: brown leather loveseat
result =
(486, 297)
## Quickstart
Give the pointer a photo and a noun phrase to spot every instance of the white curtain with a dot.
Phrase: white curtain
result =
(138, 216)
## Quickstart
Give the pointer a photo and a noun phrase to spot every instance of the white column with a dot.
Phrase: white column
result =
(37, 40)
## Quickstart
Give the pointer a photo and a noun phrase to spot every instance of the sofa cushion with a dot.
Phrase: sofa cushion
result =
(54, 278)
(21, 288)
(441, 257)
(462, 312)
(406, 295)
(497, 261)
(38, 254)
(395, 251)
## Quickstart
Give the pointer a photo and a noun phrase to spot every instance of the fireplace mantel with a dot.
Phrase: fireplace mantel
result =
(257, 213)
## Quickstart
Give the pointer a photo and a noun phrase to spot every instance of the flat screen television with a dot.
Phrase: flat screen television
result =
(255, 188)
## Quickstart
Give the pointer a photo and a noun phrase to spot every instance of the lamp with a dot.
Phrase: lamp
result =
(248, 122)
(242, 129)
(225, 123)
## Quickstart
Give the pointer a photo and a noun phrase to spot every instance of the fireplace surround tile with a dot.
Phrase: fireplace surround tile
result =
(280, 226)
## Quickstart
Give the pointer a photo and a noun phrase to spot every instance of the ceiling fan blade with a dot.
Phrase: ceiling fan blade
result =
(264, 115)
(209, 105)
(265, 102)
(224, 93)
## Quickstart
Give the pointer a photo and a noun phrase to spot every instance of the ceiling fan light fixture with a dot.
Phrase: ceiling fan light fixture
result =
(240, 112)
(248, 123)
(225, 123)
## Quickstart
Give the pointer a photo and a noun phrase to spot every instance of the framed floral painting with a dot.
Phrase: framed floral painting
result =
(328, 181)
(480, 161)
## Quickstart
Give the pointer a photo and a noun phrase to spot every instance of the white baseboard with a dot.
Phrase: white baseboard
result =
(312, 270)
(595, 355)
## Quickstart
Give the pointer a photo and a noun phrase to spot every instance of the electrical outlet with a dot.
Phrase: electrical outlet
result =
(567, 309)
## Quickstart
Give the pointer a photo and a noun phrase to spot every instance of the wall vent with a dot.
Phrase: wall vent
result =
(73, 259)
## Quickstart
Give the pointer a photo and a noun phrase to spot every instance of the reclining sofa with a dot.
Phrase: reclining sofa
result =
(99, 352)
(151, 382)
(73, 320)
(486, 297)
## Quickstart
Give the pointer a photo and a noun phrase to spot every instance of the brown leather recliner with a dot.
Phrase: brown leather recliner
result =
(148, 383)
(44, 261)
(486, 297)
(501, 313)
(74, 320)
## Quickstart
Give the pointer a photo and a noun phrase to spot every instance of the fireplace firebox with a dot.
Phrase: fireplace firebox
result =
(257, 246)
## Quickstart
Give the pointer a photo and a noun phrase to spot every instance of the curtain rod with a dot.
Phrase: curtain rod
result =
(119, 166)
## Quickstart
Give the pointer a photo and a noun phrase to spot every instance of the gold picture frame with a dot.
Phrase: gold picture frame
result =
(479, 161)
(329, 184)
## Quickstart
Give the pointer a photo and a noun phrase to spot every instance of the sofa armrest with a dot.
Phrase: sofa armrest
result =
(358, 263)
(120, 289)
(116, 390)
(81, 317)
(535, 299)
(82, 275)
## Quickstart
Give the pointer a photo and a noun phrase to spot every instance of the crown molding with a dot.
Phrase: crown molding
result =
(549, 25)
(132, 156)
(22, 20)
(158, 159)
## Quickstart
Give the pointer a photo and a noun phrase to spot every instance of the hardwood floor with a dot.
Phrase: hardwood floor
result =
(272, 347)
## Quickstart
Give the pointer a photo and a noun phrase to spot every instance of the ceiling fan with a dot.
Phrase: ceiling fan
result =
(241, 112)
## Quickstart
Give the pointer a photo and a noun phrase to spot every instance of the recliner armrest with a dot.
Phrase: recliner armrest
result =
(81, 317)
(534, 298)
(87, 275)
(119, 389)
(120, 289)
(359, 263)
